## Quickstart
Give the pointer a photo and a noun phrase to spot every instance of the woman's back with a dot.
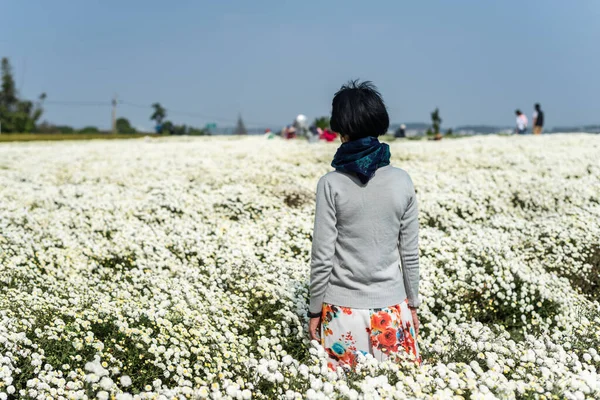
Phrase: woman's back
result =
(368, 220)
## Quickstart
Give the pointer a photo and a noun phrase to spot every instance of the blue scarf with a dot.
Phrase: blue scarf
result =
(362, 157)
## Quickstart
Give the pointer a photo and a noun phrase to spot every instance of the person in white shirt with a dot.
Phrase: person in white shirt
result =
(521, 122)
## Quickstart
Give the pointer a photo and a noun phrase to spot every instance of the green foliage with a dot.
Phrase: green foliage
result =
(65, 129)
(159, 114)
(172, 129)
(436, 122)
(196, 131)
(30, 137)
(89, 129)
(16, 115)
(321, 122)
(123, 126)
(8, 96)
(179, 130)
(48, 128)
(167, 127)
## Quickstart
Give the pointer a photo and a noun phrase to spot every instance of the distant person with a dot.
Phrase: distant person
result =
(289, 132)
(401, 132)
(313, 133)
(521, 122)
(327, 135)
(538, 119)
(269, 134)
(301, 126)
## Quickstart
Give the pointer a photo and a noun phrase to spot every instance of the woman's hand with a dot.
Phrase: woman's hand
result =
(415, 319)
(314, 326)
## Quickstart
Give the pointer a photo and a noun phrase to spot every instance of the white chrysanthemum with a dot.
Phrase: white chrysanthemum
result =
(102, 395)
(125, 381)
(106, 383)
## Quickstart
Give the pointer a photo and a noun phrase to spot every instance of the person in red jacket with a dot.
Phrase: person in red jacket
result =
(328, 135)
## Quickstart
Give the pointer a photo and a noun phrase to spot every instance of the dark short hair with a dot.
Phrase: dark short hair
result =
(358, 111)
(537, 106)
(518, 112)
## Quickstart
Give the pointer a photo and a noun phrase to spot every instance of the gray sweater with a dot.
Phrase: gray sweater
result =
(362, 233)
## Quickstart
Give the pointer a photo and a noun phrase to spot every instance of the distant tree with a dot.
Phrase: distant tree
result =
(240, 129)
(16, 115)
(159, 114)
(180, 129)
(65, 129)
(436, 121)
(123, 126)
(321, 122)
(167, 127)
(46, 127)
(89, 129)
(196, 131)
(8, 96)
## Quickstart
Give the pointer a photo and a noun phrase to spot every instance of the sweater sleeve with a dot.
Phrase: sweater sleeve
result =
(409, 249)
(323, 245)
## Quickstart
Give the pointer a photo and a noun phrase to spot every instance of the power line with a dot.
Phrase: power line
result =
(77, 103)
(183, 113)
(192, 114)
(196, 115)
(133, 104)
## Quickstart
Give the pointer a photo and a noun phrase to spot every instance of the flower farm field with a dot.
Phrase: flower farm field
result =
(178, 268)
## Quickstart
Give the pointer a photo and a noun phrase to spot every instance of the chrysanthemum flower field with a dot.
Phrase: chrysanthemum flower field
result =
(178, 268)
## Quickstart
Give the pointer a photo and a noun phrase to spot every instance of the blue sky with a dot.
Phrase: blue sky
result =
(270, 60)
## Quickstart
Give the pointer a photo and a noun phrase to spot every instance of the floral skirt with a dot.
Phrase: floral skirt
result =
(385, 333)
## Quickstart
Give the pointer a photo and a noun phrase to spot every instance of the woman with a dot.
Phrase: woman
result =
(366, 224)
(521, 122)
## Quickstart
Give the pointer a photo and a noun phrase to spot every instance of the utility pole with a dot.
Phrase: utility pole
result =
(114, 114)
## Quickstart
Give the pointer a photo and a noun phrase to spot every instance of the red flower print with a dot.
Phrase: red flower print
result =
(387, 341)
(381, 332)
(374, 341)
(348, 359)
(380, 321)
